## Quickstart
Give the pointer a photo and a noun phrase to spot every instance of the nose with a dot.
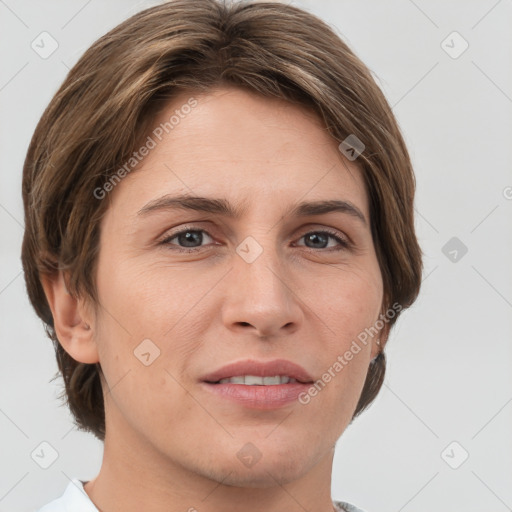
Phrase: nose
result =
(260, 297)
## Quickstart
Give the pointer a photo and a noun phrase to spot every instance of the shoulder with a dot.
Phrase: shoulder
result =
(343, 506)
(74, 499)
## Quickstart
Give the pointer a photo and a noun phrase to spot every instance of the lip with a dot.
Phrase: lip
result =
(258, 397)
(260, 369)
(263, 397)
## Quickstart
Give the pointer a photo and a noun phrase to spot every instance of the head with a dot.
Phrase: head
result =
(250, 105)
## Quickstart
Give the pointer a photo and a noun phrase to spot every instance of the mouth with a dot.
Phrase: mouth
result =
(260, 373)
(255, 380)
(257, 384)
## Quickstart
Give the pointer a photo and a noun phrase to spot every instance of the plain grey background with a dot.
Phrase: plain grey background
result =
(438, 437)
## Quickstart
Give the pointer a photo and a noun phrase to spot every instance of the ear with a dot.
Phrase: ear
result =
(74, 325)
(382, 338)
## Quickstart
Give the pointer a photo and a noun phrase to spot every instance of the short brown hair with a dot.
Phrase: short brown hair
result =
(103, 109)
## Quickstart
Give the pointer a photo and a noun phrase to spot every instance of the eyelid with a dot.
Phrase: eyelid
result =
(184, 229)
(343, 240)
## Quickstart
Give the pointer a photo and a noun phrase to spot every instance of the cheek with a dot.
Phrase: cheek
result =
(146, 296)
(138, 307)
(351, 300)
(349, 307)
(156, 302)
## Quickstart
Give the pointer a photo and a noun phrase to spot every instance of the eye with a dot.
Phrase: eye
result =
(190, 240)
(320, 240)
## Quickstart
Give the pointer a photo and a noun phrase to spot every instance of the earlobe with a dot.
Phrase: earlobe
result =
(380, 341)
(73, 327)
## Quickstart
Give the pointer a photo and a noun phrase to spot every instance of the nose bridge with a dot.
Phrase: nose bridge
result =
(261, 294)
(259, 266)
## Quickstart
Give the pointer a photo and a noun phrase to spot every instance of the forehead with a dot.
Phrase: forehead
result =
(242, 146)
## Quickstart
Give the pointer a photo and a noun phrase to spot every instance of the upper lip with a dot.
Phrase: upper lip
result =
(260, 369)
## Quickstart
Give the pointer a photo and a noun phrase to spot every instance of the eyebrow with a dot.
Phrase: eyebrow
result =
(223, 207)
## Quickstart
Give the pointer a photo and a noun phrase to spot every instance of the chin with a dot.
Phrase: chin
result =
(277, 469)
(258, 478)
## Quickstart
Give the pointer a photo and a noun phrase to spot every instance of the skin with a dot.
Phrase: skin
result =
(170, 445)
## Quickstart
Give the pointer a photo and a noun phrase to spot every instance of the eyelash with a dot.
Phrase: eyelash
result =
(345, 244)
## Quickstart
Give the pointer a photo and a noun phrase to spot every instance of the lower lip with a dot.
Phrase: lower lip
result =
(259, 397)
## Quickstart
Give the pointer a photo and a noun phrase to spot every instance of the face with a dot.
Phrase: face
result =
(185, 291)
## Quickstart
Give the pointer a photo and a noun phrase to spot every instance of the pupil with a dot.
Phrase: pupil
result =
(315, 237)
(186, 238)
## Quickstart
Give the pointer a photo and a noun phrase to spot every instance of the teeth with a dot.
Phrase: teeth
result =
(235, 380)
(269, 381)
(253, 380)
